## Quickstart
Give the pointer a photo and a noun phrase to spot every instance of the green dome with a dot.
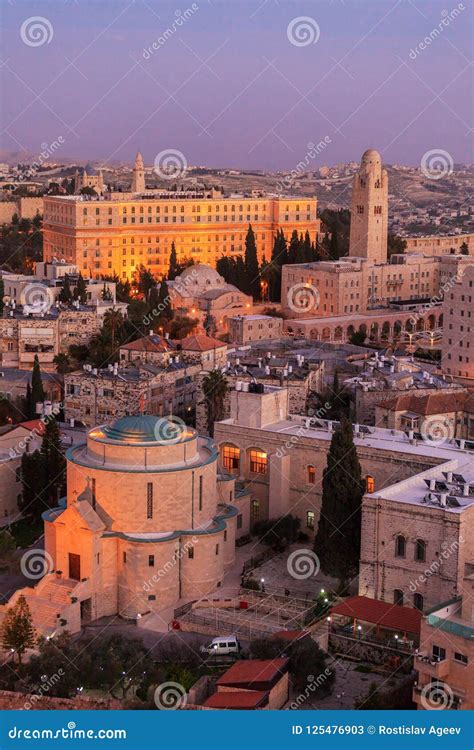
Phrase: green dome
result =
(147, 429)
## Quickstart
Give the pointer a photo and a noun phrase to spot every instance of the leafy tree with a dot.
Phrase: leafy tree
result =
(88, 191)
(277, 533)
(153, 299)
(398, 698)
(337, 541)
(209, 325)
(7, 549)
(106, 293)
(144, 280)
(181, 326)
(173, 266)
(17, 632)
(337, 224)
(464, 249)
(306, 658)
(395, 245)
(37, 391)
(251, 265)
(357, 338)
(80, 292)
(62, 362)
(33, 483)
(215, 388)
(65, 295)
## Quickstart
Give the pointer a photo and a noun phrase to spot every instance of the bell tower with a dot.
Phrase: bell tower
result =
(369, 210)
(138, 180)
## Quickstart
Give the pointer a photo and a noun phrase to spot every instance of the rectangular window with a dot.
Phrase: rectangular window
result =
(258, 462)
(310, 519)
(438, 653)
(311, 475)
(191, 553)
(230, 457)
(125, 557)
(151, 560)
(239, 521)
(461, 658)
(255, 508)
(149, 500)
(217, 549)
(93, 494)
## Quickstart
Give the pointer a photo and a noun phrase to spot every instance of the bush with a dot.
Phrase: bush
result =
(278, 533)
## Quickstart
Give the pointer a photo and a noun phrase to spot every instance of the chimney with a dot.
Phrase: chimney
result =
(442, 499)
(449, 476)
(238, 385)
(267, 370)
(462, 444)
(465, 490)
(432, 484)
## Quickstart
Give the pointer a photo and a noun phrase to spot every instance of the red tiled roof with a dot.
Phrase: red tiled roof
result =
(393, 616)
(430, 403)
(290, 635)
(238, 699)
(199, 342)
(32, 424)
(149, 344)
(251, 671)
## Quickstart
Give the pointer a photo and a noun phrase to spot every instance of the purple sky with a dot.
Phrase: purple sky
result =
(228, 88)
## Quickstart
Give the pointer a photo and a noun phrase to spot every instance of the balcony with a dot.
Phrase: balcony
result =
(430, 667)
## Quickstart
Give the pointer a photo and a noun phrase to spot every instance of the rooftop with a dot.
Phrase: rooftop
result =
(392, 616)
(238, 699)
(144, 428)
(253, 671)
(199, 342)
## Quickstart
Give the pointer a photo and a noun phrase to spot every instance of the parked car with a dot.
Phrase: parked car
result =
(223, 646)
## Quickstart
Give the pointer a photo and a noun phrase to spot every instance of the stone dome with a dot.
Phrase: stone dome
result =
(201, 274)
(147, 428)
(371, 157)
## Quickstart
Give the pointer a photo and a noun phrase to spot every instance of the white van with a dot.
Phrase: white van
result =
(227, 644)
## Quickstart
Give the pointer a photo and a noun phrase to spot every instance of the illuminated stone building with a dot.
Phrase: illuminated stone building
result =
(120, 231)
(148, 521)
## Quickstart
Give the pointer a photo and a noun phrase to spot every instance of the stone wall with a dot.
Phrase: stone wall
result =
(11, 701)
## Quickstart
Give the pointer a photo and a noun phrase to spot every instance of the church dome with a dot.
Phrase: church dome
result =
(371, 157)
(147, 429)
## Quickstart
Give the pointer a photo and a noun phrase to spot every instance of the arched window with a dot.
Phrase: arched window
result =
(398, 597)
(420, 550)
(311, 474)
(369, 483)
(400, 546)
(230, 457)
(255, 508)
(258, 461)
(418, 602)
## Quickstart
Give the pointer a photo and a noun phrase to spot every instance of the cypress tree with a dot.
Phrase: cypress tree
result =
(37, 390)
(65, 295)
(337, 541)
(29, 406)
(2, 294)
(80, 292)
(241, 278)
(164, 302)
(54, 463)
(173, 267)
(17, 631)
(251, 264)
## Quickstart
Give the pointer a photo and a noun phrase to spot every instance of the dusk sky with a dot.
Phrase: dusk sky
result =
(230, 88)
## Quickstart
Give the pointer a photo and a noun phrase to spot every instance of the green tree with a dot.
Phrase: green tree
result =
(53, 463)
(251, 264)
(215, 389)
(144, 280)
(80, 292)
(65, 295)
(164, 302)
(29, 405)
(395, 245)
(33, 483)
(88, 191)
(181, 326)
(62, 362)
(113, 324)
(7, 550)
(37, 390)
(357, 338)
(17, 632)
(464, 249)
(337, 541)
(173, 266)
(2, 294)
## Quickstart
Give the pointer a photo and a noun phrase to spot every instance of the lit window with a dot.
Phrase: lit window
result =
(231, 457)
(255, 508)
(310, 519)
(369, 483)
(311, 475)
(258, 462)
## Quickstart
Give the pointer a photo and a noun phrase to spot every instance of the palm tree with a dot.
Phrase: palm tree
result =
(113, 322)
(215, 389)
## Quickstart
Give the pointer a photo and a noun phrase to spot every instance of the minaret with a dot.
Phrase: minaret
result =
(138, 180)
(369, 210)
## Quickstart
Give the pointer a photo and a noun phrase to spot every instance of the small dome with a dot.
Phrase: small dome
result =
(147, 429)
(371, 157)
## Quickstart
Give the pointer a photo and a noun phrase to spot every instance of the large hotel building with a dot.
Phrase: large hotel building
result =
(117, 232)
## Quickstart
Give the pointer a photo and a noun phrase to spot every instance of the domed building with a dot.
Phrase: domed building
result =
(149, 520)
